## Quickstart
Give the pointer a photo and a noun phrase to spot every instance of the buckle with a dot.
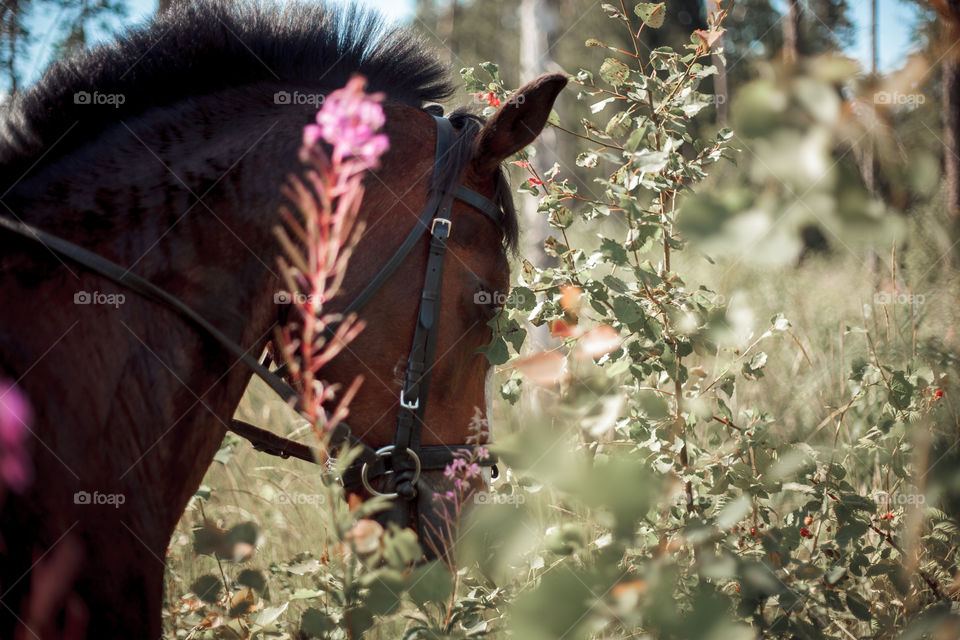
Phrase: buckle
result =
(412, 406)
(383, 451)
(443, 221)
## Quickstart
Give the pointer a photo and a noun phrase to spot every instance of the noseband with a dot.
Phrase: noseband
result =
(400, 463)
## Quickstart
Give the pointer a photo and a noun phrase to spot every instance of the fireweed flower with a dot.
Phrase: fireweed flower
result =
(349, 121)
(15, 469)
(337, 150)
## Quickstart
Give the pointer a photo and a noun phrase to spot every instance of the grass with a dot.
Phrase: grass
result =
(836, 317)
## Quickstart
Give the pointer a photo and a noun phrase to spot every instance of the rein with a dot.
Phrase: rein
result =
(406, 457)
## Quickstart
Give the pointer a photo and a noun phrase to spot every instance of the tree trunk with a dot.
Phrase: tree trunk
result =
(720, 92)
(951, 129)
(446, 30)
(868, 167)
(534, 60)
(791, 32)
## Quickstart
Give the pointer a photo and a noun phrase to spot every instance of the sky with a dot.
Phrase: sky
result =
(896, 19)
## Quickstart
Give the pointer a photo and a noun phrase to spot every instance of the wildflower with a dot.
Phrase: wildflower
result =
(349, 121)
(15, 469)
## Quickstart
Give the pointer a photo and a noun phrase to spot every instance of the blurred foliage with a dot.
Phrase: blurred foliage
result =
(730, 435)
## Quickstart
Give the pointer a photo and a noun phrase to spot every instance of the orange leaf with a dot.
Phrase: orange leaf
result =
(570, 298)
(545, 369)
(599, 341)
(564, 329)
(709, 38)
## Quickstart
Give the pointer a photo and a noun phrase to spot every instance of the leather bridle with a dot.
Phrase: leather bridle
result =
(406, 457)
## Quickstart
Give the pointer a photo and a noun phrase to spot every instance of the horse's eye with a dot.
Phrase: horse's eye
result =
(489, 302)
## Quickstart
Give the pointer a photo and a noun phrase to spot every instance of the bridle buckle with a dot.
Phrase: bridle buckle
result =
(388, 450)
(444, 221)
(411, 406)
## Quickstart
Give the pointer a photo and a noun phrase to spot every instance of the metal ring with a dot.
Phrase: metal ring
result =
(388, 450)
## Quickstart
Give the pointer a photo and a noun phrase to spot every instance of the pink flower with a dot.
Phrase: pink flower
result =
(349, 121)
(15, 469)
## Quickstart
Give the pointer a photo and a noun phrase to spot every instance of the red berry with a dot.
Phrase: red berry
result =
(808, 520)
(804, 532)
(753, 532)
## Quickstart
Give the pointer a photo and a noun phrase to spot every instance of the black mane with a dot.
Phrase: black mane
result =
(203, 47)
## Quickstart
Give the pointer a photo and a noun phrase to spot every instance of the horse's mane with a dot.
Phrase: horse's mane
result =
(201, 47)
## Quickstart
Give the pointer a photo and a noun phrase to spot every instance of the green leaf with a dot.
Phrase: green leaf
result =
(358, 621)
(492, 68)
(835, 575)
(316, 624)
(400, 547)
(626, 309)
(614, 72)
(496, 352)
(652, 13)
(270, 615)
(650, 161)
(618, 125)
(384, 590)
(613, 251)
(858, 606)
(753, 370)
(431, 582)
(901, 390)
(224, 454)
(560, 217)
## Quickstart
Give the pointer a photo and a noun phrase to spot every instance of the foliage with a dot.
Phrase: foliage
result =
(675, 469)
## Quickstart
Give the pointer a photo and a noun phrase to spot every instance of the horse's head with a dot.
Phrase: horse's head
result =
(475, 274)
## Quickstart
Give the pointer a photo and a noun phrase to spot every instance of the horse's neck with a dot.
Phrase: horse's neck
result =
(186, 198)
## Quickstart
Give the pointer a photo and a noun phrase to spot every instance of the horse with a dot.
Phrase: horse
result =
(165, 152)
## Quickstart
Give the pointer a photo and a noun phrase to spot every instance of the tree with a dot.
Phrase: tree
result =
(950, 77)
(69, 31)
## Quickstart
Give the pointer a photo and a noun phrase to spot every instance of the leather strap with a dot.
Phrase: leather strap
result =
(417, 382)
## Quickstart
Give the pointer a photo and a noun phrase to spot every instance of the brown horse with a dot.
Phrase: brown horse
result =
(165, 152)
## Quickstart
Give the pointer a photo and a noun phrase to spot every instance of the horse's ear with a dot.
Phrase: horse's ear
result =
(517, 123)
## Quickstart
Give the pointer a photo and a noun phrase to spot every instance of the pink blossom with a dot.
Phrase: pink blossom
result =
(15, 469)
(349, 121)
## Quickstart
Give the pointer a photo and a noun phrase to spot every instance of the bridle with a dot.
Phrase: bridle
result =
(401, 463)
